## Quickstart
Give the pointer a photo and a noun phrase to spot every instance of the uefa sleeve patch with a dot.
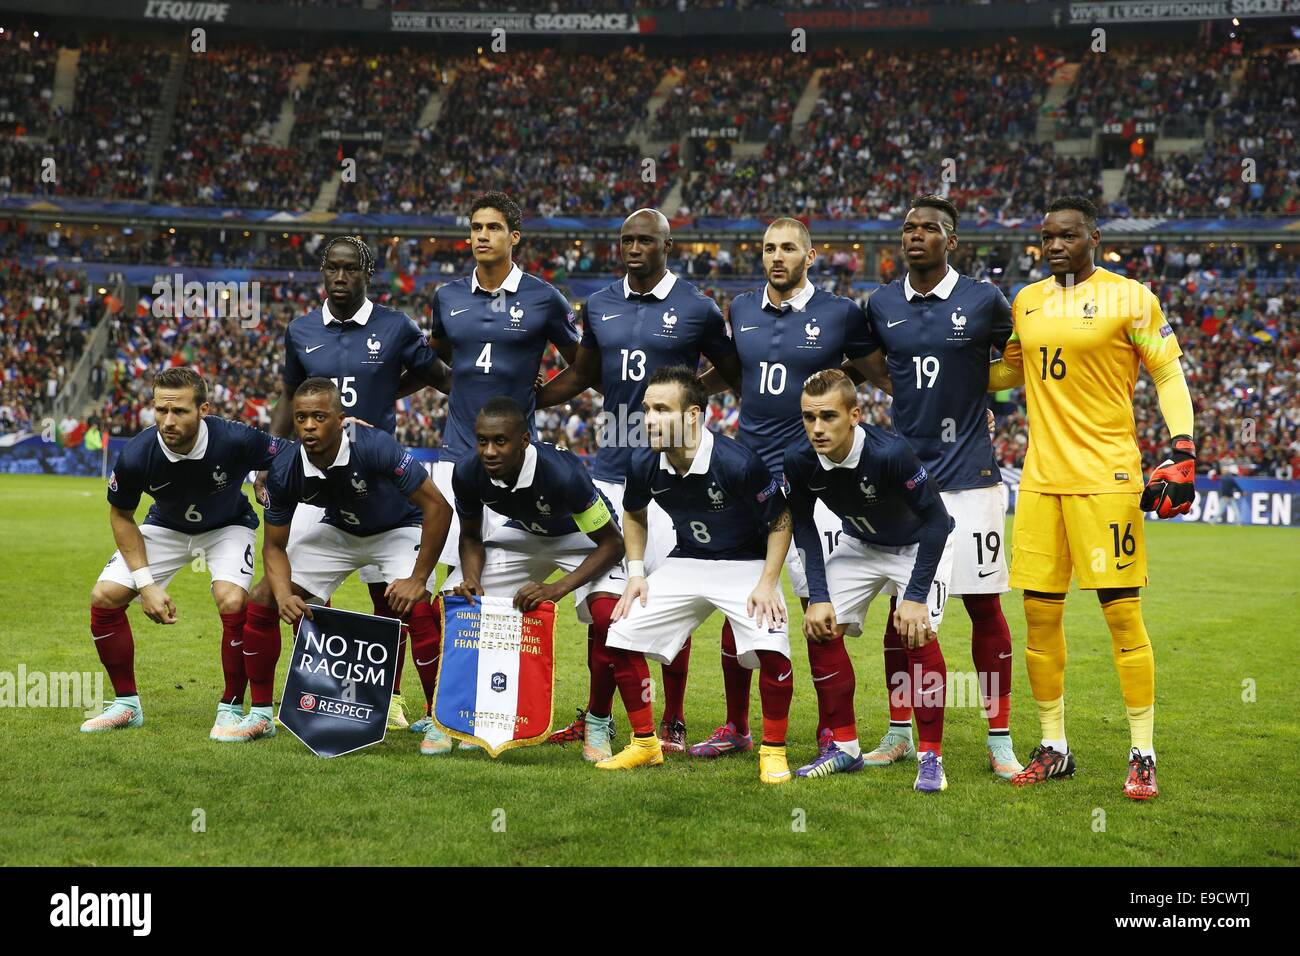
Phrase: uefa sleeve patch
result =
(112, 481)
(769, 491)
(402, 465)
(1166, 330)
(916, 479)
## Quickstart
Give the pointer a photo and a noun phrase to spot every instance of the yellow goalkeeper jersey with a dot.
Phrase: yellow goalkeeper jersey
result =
(1080, 348)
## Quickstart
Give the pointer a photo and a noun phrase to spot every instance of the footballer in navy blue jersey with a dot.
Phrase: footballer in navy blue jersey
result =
(380, 508)
(557, 520)
(367, 484)
(649, 320)
(733, 532)
(493, 325)
(784, 333)
(193, 465)
(937, 331)
(375, 355)
(200, 489)
(497, 341)
(721, 508)
(362, 347)
(896, 539)
(551, 495)
(938, 346)
(882, 493)
(365, 490)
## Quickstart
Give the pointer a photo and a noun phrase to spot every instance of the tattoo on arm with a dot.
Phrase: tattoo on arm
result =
(782, 521)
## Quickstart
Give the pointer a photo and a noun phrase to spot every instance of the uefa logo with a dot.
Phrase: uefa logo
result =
(307, 702)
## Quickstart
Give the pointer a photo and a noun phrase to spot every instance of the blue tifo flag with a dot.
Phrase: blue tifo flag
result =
(496, 679)
(340, 680)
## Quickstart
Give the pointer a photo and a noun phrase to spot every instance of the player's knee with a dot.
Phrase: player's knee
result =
(230, 600)
(261, 593)
(106, 595)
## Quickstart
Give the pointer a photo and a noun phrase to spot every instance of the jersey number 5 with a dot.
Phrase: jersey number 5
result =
(347, 393)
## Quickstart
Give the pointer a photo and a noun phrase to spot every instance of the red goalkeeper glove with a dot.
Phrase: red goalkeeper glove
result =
(1171, 489)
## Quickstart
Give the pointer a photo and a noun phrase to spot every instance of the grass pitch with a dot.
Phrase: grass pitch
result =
(1221, 611)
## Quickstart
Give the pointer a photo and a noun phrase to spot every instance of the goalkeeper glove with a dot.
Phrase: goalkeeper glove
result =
(1171, 489)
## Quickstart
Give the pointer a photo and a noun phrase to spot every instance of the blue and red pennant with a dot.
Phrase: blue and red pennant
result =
(496, 679)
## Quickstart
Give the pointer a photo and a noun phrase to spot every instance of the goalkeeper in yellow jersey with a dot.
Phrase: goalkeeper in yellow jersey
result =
(1078, 340)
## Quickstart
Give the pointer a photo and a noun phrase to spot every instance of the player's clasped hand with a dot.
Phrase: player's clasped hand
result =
(533, 594)
(636, 588)
(819, 622)
(766, 608)
(157, 605)
(403, 594)
(467, 590)
(292, 608)
(912, 621)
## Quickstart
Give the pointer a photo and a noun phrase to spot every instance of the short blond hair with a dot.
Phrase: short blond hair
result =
(831, 380)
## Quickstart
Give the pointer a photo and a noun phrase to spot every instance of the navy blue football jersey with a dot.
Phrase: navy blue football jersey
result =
(672, 324)
(367, 490)
(198, 491)
(883, 495)
(938, 347)
(779, 348)
(552, 496)
(364, 356)
(721, 508)
(497, 345)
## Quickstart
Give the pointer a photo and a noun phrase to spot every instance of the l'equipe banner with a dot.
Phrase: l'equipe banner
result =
(496, 679)
(340, 680)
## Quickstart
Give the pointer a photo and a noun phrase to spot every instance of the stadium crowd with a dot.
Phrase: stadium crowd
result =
(573, 127)
(42, 336)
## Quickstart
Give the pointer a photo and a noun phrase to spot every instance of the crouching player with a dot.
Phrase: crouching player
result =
(557, 520)
(381, 509)
(193, 465)
(896, 539)
(733, 532)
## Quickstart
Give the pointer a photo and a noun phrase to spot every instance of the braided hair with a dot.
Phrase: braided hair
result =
(364, 256)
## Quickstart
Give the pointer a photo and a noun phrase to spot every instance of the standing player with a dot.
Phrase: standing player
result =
(492, 327)
(935, 329)
(733, 533)
(896, 537)
(784, 334)
(364, 349)
(649, 320)
(1079, 339)
(381, 509)
(193, 465)
(557, 520)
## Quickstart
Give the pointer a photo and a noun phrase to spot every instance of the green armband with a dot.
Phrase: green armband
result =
(594, 518)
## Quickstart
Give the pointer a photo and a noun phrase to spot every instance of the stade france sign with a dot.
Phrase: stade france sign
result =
(416, 22)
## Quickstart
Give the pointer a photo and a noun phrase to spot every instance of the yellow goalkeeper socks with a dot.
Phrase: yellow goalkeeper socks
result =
(1136, 665)
(1045, 661)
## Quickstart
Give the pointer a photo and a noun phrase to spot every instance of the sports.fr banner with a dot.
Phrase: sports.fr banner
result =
(496, 678)
(340, 680)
